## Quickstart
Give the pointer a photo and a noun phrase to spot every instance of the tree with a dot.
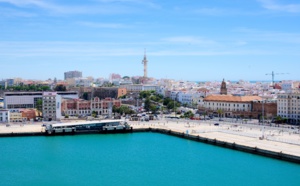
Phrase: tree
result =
(188, 114)
(204, 114)
(60, 88)
(153, 108)
(39, 106)
(94, 114)
(85, 96)
(147, 105)
(220, 112)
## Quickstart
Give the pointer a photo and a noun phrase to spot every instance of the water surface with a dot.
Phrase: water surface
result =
(134, 159)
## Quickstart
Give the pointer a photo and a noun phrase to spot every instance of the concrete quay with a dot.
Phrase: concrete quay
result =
(277, 142)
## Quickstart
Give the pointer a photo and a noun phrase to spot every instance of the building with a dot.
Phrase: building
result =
(139, 87)
(72, 74)
(15, 115)
(76, 107)
(230, 106)
(122, 92)
(3, 84)
(288, 107)
(104, 107)
(105, 92)
(223, 88)
(4, 116)
(266, 107)
(29, 114)
(51, 106)
(80, 107)
(16, 100)
(1, 102)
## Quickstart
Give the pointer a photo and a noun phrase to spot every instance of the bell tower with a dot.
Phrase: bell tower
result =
(223, 88)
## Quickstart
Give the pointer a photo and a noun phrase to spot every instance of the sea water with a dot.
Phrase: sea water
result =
(134, 159)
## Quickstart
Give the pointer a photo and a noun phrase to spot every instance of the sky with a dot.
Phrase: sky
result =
(194, 40)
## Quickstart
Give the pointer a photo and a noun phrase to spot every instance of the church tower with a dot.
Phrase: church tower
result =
(223, 88)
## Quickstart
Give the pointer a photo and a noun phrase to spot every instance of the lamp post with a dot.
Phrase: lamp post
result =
(174, 108)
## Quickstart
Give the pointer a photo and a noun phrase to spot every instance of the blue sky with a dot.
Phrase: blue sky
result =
(185, 39)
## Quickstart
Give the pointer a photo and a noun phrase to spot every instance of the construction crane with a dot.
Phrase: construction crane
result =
(273, 75)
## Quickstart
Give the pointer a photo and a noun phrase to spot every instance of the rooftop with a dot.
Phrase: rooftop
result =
(231, 98)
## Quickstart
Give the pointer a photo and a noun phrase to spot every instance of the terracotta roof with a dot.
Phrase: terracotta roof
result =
(231, 98)
(203, 90)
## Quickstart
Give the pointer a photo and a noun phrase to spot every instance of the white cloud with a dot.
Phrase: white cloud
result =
(273, 5)
(88, 8)
(189, 40)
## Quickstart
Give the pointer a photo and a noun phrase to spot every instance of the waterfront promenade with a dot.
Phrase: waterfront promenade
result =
(281, 140)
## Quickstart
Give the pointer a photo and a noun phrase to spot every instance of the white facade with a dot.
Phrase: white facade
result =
(139, 87)
(83, 82)
(15, 115)
(227, 106)
(51, 106)
(4, 116)
(21, 99)
(173, 95)
(288, 106)
(15, 100)
(287, 85)
(185, 98)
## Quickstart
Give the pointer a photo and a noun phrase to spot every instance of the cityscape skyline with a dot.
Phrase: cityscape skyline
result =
(195, 41)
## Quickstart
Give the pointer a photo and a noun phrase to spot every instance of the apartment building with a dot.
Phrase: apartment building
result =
(288, 106)
(4, 116)
(72, 74)
(51, 106)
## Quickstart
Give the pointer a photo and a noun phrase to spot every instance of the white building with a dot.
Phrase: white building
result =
(21, 99)
(51, 106)
(289, 107)
(185, 98)
(83, 82)
(15, 115)
(228, 103)
(4, 116)
(15, 100)
(139, 87)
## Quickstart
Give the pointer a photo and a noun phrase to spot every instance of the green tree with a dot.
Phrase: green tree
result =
(220, 112)
(153, 108)
(60, 88)
(147, 105)
(85, 96)
(188, 114)
(94, 114)
(39, 106)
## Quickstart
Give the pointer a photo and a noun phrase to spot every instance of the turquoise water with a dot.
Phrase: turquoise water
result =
(134, 159)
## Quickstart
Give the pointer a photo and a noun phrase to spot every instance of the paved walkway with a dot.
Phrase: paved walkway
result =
(275, 139)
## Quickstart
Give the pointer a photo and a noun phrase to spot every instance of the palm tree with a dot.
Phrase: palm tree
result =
(220, 112)
(39, 106)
